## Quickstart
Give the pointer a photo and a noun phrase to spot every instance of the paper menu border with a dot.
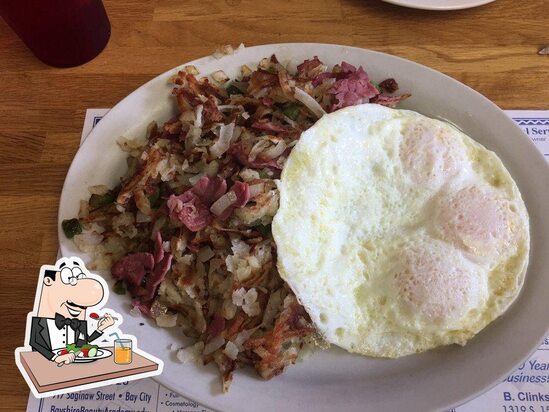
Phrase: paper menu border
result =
(93, 116)
(505, 397)
(535, 123)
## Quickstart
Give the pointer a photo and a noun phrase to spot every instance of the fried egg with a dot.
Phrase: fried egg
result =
(397, 232)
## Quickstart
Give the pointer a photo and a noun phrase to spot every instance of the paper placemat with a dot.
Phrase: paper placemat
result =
(525, 390)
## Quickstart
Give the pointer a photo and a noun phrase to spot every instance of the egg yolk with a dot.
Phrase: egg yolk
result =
(429, 153)
(474, 220)
(436, 286)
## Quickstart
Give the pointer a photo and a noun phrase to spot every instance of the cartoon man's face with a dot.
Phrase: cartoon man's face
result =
(69, 291)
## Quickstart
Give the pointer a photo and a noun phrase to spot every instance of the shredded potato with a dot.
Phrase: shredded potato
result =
(188, 228)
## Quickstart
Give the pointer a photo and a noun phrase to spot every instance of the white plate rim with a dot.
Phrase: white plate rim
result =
(438, 5)
(103, 353)
(488, 106)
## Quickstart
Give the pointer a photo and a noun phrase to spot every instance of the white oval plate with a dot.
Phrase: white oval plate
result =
(439, 4)
(333, 379)
(101, 353)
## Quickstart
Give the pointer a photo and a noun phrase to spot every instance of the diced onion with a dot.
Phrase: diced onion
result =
(135, 312)
(194, 134)
(243, 272)
(190, 69)
(245, 70)
(256, 189)
(190, 354)
(257, 148)
(265, 63)
(205, 254)
(168, 320)
(231, 350)
(238, 297)
(96, 227)
(130, 145)
(141, 217)
(88, 238)
(195, 178)
(202, 144)
(226, 133)
(220, 76)
(250, 296)
(211, 168)
(221, 204)
(243, 336)
(228, 310)
(214, 345)
(249, 174)
(178, 244)
(274, 304)
(309, 102)
(223, 107)
(187, 116)
(275, 151)
(252, 309)
(184, 356)
(198, 119)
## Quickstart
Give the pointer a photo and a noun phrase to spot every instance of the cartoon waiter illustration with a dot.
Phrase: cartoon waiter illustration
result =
(57, 333)
(66, 292)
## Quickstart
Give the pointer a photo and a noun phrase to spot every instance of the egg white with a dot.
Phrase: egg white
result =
(398, 233)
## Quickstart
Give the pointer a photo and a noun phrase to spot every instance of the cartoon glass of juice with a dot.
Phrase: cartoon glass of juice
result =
(122, 351)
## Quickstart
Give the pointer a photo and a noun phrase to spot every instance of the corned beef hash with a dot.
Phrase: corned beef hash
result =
(187, 232)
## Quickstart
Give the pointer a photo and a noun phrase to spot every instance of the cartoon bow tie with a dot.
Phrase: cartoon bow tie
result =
(61, 322)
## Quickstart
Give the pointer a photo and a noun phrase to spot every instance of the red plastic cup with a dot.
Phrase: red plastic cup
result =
(61, 33)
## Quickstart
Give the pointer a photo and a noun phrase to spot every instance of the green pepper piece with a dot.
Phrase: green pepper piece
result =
(119, 288)
(232, 89)
(264, 230)
(87, 346)
(376, 85)
(97, 201)
(291, 110)
(71, 227)
(154, 198)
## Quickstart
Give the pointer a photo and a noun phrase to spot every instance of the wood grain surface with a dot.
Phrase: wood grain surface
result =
(492, 48)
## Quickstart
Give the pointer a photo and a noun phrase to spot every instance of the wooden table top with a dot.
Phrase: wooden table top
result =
(492, 48)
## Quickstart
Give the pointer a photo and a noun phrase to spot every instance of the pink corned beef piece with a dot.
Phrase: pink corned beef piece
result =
(192, 207)
(242, 192)
(132, 268)
(189, 210)
(209, 189)
(351, 87)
